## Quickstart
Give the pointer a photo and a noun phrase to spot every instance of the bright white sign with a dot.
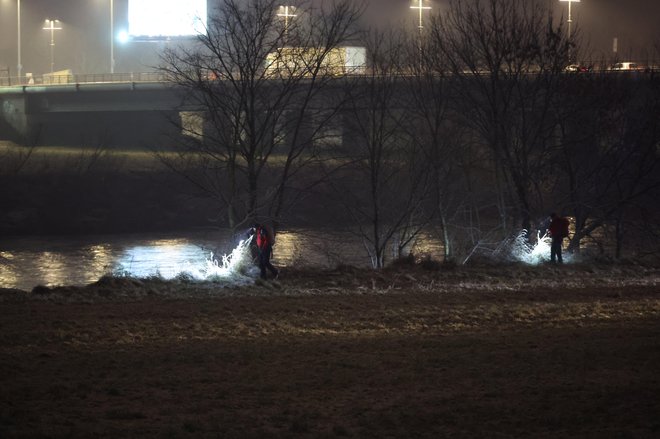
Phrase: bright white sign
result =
(166, 18)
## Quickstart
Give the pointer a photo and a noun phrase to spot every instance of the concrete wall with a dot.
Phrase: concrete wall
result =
(13, 119)
(126, 115)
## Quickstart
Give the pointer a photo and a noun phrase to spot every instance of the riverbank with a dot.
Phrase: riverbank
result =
(69, 191)
(410, 351)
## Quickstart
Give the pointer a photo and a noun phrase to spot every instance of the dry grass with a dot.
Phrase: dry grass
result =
(338, 354)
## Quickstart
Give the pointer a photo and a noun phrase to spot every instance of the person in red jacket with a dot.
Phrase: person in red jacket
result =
(558, 230)
(264, 241)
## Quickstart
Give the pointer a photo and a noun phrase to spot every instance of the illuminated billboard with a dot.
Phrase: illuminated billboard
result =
(161, 19)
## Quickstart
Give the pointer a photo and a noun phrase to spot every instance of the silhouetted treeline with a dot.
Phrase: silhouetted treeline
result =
(472, 127)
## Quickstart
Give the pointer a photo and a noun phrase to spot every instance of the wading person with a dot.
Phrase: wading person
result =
(558, 229)
(264, 241)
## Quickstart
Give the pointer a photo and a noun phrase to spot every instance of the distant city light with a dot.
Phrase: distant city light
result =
(123, 37)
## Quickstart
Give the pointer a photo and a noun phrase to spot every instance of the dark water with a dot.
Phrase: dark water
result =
(29, 261)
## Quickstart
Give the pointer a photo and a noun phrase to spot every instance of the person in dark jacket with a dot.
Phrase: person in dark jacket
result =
(558, 230)
(264, 241)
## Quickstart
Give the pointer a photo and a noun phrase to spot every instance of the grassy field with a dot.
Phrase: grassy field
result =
(406, 352)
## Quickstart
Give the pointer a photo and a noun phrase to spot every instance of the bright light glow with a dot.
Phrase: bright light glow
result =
(420, 7)
(123, 37)
(166, 18)
(534, 254)
(233, 266)
(52, 25)
(163, 261)
(287, 12)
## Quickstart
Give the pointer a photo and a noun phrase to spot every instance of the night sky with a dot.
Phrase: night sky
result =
(83, 45)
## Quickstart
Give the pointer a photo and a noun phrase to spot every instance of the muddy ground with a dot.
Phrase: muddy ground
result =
(410, 351)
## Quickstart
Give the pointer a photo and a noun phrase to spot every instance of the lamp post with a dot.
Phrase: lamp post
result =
(19, 65)
(420, 6)
(286, 16)
(570, 20)
(52, 26)
(112, 37)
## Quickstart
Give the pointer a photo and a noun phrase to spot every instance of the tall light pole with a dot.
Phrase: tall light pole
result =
(52, 26)
(570, 20)
(420, 6)
(112, 36)
(287, 13)
(19, 66)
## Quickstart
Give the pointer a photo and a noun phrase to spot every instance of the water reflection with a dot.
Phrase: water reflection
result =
(51, 267)
(31, 261)
(7, 273)
(306, 248)
(165, 258)
(101, 257)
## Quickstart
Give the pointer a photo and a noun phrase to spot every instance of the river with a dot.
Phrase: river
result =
(26, 262)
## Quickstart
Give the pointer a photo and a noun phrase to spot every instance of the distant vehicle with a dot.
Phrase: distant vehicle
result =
(297, 60)
(627, 66)
(576, 68)
(59, 77)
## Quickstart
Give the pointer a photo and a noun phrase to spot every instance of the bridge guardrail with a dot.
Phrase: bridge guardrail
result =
(92, 78)
(55, 79)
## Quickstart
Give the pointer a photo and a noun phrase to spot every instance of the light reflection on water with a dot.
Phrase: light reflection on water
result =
(26, 262)
(164, 258)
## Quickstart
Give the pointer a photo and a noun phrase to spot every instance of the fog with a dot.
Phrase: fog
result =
(83, 44)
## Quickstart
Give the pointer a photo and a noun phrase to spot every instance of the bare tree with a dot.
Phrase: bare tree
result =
(506, 57)
(434, 126)
(13, 158)
(384, 185)
(257, 90)
(608, 150)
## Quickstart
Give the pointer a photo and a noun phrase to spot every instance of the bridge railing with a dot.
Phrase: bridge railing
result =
(87, 78)
(65, 77)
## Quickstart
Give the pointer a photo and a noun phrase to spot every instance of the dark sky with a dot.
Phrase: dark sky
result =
(83, 45)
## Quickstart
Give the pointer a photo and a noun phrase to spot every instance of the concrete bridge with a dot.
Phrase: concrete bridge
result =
(120, 111)
(126, 114)
(117, 110)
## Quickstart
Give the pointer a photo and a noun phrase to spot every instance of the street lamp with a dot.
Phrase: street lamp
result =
(52, 26)
(570, 20)
(287, 12)
(112, 37)
(420, 6)
(19, 66)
